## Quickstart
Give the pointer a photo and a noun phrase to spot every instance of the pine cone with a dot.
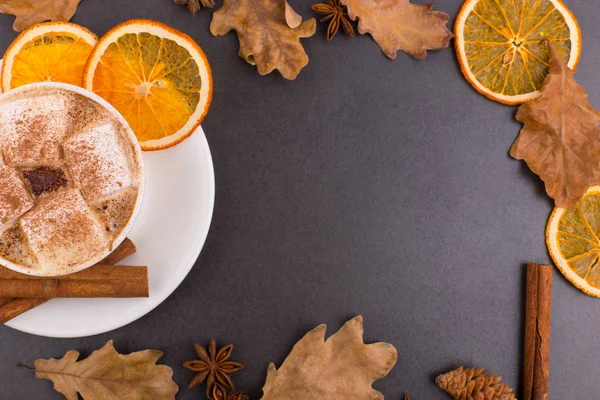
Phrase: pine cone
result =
(474, 384)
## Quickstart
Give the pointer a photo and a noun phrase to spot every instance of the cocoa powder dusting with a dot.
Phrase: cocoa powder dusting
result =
(45, 179)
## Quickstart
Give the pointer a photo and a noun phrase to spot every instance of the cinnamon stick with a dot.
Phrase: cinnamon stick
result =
(125, 249)
(5, 300)
(538, 310)
(123, 281)
(531, 287)
(17, 307)
(11, 308)
(95, 273)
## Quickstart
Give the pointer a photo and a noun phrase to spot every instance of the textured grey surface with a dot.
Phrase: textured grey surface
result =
(367, 186)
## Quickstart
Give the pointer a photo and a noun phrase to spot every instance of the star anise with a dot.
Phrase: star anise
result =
(194, 5)
(337, 15)
(220, 393)
(213, 366)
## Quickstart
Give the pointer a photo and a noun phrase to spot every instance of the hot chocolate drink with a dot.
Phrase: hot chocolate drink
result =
(71, 179)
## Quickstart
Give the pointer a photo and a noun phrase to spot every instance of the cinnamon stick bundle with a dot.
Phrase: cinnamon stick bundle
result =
(124, 250)
(5, 300)
(98, 272)
(97, 281)
(13, 307)
(538, 310)
(17, 307)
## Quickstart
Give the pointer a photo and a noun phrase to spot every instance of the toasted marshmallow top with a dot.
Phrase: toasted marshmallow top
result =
(70, 179)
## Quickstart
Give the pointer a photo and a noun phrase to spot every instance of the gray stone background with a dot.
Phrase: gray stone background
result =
(367, 186)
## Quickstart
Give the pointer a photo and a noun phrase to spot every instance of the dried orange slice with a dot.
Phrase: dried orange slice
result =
(501, 45)
(157, 77)
(573, 240)
(53, 51)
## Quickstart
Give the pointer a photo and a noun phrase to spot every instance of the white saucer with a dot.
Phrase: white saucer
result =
(169, 234)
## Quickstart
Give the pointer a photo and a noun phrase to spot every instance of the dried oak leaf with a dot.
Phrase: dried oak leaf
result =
(560, 140)
(108, 375)
(400, 25)
(269, 32)
(341, 367)
(31, 12)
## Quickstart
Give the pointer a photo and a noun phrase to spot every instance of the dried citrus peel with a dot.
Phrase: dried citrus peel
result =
(54, 51)
(573, 240)
(157, 77)
(502, 51)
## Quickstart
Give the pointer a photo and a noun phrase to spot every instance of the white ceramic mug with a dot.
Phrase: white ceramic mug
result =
(130, 136)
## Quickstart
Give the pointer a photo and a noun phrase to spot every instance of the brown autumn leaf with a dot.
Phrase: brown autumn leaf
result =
(269, 32)
(341, 367)
(400, 25)
(560, 140)
(108, 375)
(31, 12)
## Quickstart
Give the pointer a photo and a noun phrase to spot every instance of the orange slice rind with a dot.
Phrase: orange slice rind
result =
(53, 51)
(501, 45)
(157, 77)
(573, 240)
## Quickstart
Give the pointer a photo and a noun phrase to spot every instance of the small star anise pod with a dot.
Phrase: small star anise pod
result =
(337, 15)
(213, 366)
(194, 5)
(220, 393)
